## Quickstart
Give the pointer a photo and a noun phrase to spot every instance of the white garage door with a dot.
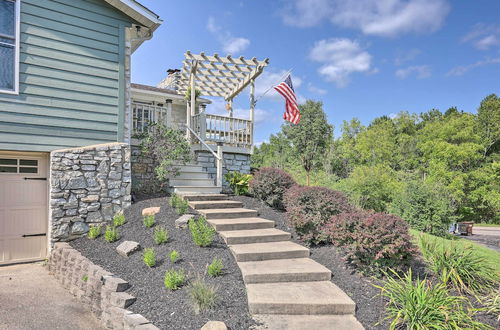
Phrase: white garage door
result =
(23, 207)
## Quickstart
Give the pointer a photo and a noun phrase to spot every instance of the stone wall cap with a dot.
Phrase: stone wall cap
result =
(94, 146)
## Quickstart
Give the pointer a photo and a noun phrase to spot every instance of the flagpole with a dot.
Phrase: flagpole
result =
(272, 86)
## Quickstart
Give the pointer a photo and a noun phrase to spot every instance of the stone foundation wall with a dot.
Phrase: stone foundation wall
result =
(142, 169)
(232, 162)
(97, 289)
(88, 185)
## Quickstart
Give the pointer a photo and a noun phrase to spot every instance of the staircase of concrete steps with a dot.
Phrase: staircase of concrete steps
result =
(285, 288)
(193, 179)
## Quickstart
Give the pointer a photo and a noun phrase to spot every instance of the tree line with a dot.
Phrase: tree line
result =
(431, 168)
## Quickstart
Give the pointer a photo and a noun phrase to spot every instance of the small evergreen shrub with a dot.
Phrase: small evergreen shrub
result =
(111, 234)
(308, 209)
(160, 235)
(174, 279)
(373, 242)
(94, 232)
(269, 185)
(174, 256)
(215, 268)
(201, 231)
(149, 257)
(118, 219)
(203, 295)
(182, 207)
(149, 220)
(174, 199)
(421, 305)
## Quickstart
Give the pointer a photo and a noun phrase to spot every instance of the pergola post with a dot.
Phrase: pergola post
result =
(252, 110)
(168, 118)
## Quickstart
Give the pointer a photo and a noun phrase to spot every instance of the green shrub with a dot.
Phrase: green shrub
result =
(160, 235)
(111, 234)
(215, 268)
(373, 242)
(174, 279)
(174, 256)
(174, 199)
(118, 219)
(201, 231)
(421, 305)
(94, 232)
(238, 182)
(182, 207)
(269, 185)
(492, 304)
(425, 206)
(461, 267)
(308, 209)
(149, 220)
(149, 257)
(203, 295)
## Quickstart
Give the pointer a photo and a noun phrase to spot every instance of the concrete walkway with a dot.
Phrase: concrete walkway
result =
(32, 299)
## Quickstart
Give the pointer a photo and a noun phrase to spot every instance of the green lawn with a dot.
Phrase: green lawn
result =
(492, 256)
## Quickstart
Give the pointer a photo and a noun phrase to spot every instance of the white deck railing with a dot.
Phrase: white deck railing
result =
(143, 115)
(234, 132)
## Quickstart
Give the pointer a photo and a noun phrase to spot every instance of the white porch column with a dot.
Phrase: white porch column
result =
(252, 110)
(168, 117)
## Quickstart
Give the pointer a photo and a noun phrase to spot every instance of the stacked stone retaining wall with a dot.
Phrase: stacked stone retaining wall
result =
(232, 162)
(97, 289)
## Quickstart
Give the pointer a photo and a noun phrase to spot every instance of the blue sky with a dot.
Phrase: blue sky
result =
(361, 58)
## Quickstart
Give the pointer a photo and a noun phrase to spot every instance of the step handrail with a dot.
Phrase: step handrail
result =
(218, 156)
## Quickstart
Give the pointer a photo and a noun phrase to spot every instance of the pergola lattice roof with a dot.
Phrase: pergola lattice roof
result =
(219, 76)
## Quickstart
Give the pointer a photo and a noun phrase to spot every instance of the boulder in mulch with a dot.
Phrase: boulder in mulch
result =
(127, 248)
(150, 211)
(214, 325)
(182, 222)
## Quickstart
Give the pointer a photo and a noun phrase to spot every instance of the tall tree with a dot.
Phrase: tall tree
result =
(488, 120)
(311, 137)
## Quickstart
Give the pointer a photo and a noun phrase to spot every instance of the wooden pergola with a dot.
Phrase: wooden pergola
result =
(219, 76)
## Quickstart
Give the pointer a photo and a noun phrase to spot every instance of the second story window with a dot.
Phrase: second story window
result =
(9, 46)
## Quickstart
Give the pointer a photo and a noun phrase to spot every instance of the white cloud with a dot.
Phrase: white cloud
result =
(420, 71)
(230, 44)
(462, 69)
(372, 17)
(483, 36)
(340, 58)
(406, 56)
(316, 90)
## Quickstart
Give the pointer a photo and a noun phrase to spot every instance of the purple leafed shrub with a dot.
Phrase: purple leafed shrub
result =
(373, 241)
(309, 208)
(269, 185)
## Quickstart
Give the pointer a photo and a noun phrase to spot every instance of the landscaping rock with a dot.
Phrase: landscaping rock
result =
(115, 284)
(122, 299)
(127, 248)
(182, 222)
(150, 211)
(214, 325)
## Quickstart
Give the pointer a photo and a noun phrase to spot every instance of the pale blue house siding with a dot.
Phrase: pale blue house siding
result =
(72, 77)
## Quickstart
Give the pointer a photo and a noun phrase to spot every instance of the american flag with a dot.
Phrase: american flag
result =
(292, 113)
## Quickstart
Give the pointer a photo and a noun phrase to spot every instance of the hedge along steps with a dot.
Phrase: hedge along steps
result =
(282, 282)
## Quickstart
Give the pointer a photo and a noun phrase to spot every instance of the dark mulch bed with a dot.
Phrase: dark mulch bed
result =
(170, 309)
(369, 306)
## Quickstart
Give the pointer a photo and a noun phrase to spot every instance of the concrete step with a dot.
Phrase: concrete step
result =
(192, 175)
(284, 270)
(268, 251)
(312, 322)
(203, 197)
(228, 213)
(255, 236)
(190, 168)
(298, 298)
(240, 224)
(222, 204)
(192, 182)
(196, 189)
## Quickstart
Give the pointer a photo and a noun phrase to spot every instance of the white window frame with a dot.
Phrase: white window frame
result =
(17, 46)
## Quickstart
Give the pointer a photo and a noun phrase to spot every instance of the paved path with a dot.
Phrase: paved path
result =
(32, 299)
(487, 236)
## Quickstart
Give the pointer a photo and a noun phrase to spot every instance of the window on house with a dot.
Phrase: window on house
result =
(9, 45)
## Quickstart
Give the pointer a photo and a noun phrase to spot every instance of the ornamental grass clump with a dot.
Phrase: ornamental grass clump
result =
(201, 231)
(215, 268)
(182, 207)
(174, 279)
(149, 220)
(459, 266)
(160, 235)
(174, 256)
(94, 232)
(269, 185)
(308, 209)
(149, 257)
(118, 219)
(373, 242)
(422, 305)
(203, 295)
(111, 234)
